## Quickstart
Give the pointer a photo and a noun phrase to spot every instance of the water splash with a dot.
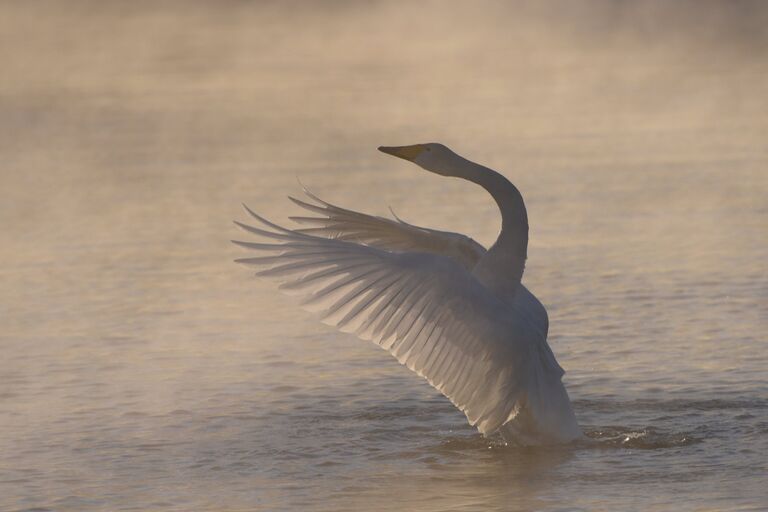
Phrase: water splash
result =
(647, 438)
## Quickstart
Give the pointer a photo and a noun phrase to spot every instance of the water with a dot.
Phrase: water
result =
(142, 370)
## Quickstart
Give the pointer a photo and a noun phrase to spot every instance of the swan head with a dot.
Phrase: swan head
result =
(431, 156)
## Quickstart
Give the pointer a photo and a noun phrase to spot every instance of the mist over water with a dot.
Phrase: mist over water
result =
(143, 370)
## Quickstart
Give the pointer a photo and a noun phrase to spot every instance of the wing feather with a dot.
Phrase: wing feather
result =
(426, 308)
(394, 235)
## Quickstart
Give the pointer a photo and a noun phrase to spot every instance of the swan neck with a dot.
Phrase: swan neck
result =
(511, 247)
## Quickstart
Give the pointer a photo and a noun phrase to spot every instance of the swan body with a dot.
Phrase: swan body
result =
(444, 306)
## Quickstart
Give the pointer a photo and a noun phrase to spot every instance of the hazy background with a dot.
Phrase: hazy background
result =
(142, 370)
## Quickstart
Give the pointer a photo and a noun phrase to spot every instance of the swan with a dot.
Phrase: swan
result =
(445, 307)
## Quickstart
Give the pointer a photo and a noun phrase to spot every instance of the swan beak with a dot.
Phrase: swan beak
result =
(405, 152)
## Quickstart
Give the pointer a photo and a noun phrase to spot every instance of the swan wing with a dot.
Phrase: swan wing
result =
(426, 309)
(395, 235)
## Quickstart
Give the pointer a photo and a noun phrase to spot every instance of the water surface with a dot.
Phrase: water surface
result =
(143, 370)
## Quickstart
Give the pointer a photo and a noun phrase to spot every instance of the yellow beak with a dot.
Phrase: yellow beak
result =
(405, 152)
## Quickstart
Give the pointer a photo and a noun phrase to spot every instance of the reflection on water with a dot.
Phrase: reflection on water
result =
(142, 370)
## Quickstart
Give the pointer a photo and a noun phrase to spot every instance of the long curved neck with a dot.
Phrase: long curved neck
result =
(506, 258)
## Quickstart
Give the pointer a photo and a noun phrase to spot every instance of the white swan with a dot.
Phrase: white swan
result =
(445, 307)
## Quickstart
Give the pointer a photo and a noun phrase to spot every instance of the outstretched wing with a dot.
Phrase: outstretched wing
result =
(426, 309)
(394, 235)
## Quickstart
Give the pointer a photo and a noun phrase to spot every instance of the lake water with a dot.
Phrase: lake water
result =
(143, 370)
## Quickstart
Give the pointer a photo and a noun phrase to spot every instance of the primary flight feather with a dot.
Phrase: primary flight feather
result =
(444, 306)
